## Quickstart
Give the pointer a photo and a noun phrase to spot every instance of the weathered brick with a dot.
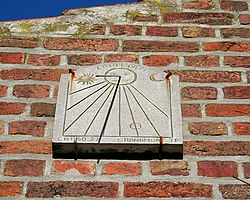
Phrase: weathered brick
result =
(28, 42)
(28, 146)
(237, 92)
(11, 188)
(123, 168)
(246, 169)
(24, 168)
(235, 191)
(97, 29)
(81, 44)
(162, 31)
(173, 168)
(199, 18)
(121, 58)
(1, 127)
(227, 46)
(199, 93)
(33, 74)
(159, 60)
(217, 168)
(43, 60)
(56, 90)
(202, 61)
(34, 128)
(159, 46)
(31, 91)
(227, 110)
(199, 4)
(43, 109)
(11, 108)
(150, 18)
(129, 30)
(235, 32)
(191, 110)
(210, 148)
(234, 5)
(194, 32)
(71, 189)
(241, 128)
(248, 77)
(244, 19)
(208, 76)
(83, 167)
(3, 90)
(207, 128)
(237, 61)
(83, 60)
(167, 189)
(12, 58)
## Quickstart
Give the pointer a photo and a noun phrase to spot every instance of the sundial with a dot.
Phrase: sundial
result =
(118, 110)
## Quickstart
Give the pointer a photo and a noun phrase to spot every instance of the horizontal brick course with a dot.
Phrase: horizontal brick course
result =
(121, 58)
(43, 109)
(12, 58)
(43, 60)
(10, 188)
(202, 61)
(25, 42)
(244, 19)
(191, 110)
(162, 31)
(8, 108)
(166, 189)
(235, 191)
(84, 60)
(234, 5)
(122, 168)
(199, 93)
(227, 110)
(194, 32)
(129, 30)
(199, 4)
(237, 61)
(227, 46)
(159, 60)
(3, 90)
(241, 128)
(237, 92)
(246, 169)
(1, 127)
(207, 128)
(235, 32)
(31, 91)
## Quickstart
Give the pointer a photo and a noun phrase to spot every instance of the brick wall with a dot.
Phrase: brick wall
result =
(205, 42)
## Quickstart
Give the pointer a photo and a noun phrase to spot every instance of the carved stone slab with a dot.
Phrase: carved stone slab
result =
(118, 110)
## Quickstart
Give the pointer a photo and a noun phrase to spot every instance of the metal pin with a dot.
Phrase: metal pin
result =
(73, 75)
(168, 74)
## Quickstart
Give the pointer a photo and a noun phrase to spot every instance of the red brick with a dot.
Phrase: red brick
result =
(227, 110)
(162, 31)
(210, 148)
(202, 61)
(33, 74)
(11, 108)
(24, 168)
(246, 169)
(207, 128)
(237, 61)
(199, 18)
(194, 32)
(3, 90)
(159, 60)
(167, 189)
(83, 60)
(28, 42)
(235, 191)
(190, 110)
(28, 146)
(34, 128)
(11, 188)
(129, 30)
(121, 58)
(209, 76)
(81, 44)
(199, 4)
(56, 89)
(72, 189)
(227, 46)
(62, 166)
(1, 127)
(97, 29)
(237, 92)
(159, 46)
(241, 128)
(234, 5)
(217, 168)
(173, 168)
(248, 77)
(199, 93)
(235, 32)
(123, 168)
(43, 109)
(31, 91)
(43, 60)
(244, 19)
(12, 58)
(151, 18)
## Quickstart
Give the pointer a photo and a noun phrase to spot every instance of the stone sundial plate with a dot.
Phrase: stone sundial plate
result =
(116, 110)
